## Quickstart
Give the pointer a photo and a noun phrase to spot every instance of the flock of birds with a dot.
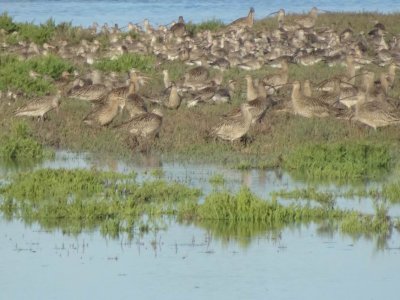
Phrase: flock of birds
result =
(237, 45)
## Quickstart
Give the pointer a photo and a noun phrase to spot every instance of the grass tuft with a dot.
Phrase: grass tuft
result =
(20, 146)
(14, 73)
(211, 25)
(339, 161)
(126, 62)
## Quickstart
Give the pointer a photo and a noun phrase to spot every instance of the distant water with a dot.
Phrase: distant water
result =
(165, 11)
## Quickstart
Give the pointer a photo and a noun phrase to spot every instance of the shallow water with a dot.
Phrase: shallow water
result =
(163, 12)
(261, 182)
(187, 261)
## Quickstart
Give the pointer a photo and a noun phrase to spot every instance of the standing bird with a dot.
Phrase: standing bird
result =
(251, 91)
(174, 99)
(308, 22)
(232, 129)
(245, 21)
(178, 29)
(115, 100)
(105, 113)
(40, 107)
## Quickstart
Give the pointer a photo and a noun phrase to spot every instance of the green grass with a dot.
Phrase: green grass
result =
(77, 199)
(7, 24)
(37, 33)
(19, 146)
(217, 179)
(357, 21)
(245, 206)
(339, 161)
(391, 191)
(126, 62)
(271, 144)
(324, 198)
(14, 74)
(211, 25)
(356, 224)
(28, 31)
(85, 199)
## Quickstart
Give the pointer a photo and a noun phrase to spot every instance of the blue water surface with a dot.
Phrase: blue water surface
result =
(165, 11)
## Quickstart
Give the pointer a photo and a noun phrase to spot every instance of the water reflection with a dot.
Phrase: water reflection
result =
(191, 259)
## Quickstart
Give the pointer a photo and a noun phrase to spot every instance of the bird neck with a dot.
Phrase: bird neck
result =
(261, 91)
(307, 90)
(250, 89)
(250, 19)
(361, 99)
(174, 98)
(296, 92)
(384, 83)
(392, 71)
(313, 14)
(96, 78)
(133, 87)
(167, 82)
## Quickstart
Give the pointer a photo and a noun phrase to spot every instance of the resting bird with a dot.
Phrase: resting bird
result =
(145, 125)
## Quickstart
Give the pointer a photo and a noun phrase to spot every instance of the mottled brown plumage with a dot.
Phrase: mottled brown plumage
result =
(234, 128)
(245, 21)
(146, 125)
(39, 107)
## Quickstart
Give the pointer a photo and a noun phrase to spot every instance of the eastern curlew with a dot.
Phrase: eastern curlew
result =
(232, 129)
(375, 112)
(93, 92)
(174, 99)
(245, 21)
(310, 106)
(308, 22)
(40, 107)
(145, 125)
